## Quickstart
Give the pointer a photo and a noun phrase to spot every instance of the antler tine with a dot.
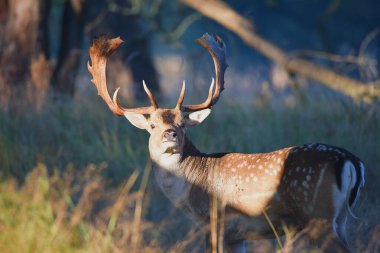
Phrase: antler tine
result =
(181, 95)
(100, 50)
(150, 95)
(216, 47)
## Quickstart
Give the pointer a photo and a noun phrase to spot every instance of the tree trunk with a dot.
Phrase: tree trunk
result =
(20, 48)
(72, 32)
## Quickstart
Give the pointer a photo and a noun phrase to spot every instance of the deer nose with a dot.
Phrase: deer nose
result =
(170, 135)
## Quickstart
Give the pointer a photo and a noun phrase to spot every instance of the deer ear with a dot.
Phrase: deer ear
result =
(196, 118)
(136, 119)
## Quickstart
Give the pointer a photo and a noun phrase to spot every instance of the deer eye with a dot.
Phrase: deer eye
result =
(152, 126)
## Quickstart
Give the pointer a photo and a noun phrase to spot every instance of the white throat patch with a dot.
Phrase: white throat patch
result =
(169, 162)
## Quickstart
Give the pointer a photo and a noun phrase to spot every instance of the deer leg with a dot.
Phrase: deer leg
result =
(236, 247)
(208, 242)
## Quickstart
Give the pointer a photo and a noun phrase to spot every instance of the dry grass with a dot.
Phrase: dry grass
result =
(60, 213)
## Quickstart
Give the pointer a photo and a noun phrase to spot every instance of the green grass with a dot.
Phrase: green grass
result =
(76, 134)
(37, 218)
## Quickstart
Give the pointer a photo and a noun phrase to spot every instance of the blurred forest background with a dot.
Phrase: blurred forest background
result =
(75, 178)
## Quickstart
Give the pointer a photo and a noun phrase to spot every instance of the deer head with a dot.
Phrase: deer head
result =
(167, 127)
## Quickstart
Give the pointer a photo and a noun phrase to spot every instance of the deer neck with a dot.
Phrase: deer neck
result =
(190, 165)
(178, 174)
(194, 164)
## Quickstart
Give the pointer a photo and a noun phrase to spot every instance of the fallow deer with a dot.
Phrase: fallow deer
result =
(292, 185)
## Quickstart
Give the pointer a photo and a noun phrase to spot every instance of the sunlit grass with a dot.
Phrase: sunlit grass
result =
(58, 214)
(36, 218)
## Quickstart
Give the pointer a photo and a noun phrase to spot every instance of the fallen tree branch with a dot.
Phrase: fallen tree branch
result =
(224, 15)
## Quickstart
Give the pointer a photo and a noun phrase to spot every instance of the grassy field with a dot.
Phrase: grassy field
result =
(74, 177)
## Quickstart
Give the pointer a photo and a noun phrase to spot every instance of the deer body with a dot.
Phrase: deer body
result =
(290, 184)
(293, 186)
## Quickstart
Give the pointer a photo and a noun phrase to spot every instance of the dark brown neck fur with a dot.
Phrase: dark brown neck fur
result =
(197, 166)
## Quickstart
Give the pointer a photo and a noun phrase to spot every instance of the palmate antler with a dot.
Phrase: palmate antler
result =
(216, 47)
(102, 48)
